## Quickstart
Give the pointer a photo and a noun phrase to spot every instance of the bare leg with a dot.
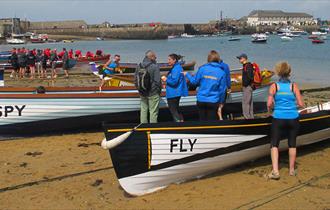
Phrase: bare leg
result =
(275, 156)
(220, 112)
(292, 160)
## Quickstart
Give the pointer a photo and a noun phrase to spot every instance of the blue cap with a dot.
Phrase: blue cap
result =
(243, 55)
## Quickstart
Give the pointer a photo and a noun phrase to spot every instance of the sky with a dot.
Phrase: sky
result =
(167, 11)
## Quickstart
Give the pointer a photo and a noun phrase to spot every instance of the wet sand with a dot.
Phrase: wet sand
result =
(72, 172)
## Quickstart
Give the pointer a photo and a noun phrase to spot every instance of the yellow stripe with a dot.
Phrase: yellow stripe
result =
(149, 150)
(314, 118)
(189, 128)
(208, 127)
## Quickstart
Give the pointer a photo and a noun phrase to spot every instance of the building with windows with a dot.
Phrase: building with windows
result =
(278, 17)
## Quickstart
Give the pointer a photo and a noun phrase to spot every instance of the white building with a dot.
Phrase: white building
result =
(278, 17)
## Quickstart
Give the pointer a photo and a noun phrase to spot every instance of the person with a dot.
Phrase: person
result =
(89, 54)
(14, 62)
(53, 61)
(65, 60)
(39, 58)
(284, 98)
(247, 85)
(176, 87)
(111, 67)
(31, 63)
(98, 53)
(211, 83)
(225, 68)
(22, 58)
(78, 53)
(150, 99)
(71, 54)
(45, 59)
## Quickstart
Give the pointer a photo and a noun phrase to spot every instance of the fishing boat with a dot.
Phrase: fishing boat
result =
(93, 59)
(68, 41)
(259, 38)
(318, 41)
(37, 40)
(149, 157)
(286, 38)
(39, 113)
(15, 41)
(233, 38)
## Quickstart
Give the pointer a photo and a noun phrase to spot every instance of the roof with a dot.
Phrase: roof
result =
(277, 13)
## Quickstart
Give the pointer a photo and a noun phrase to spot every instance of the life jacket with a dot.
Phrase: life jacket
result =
(257, 77)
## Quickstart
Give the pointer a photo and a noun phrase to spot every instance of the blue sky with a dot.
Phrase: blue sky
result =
(169, 11)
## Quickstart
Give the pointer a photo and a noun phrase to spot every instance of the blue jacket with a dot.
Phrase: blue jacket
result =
(211, 82)
(225, 67)
(176, 85)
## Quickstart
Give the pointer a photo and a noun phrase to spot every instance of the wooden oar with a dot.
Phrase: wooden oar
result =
(118, 140)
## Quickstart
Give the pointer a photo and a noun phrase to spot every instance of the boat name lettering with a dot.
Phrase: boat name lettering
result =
(179, 143)
(6, 110)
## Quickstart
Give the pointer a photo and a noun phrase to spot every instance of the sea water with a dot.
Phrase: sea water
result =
(310, 62)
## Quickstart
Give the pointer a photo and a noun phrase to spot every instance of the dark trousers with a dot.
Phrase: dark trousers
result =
(173, 105)
(284, 128)
(207, 111)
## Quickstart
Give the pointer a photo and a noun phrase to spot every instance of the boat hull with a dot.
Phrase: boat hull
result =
(157, 155)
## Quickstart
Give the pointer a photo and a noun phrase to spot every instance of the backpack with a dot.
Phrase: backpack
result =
(257, 77)
(143, 80)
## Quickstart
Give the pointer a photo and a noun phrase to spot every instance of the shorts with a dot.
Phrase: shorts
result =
(284, 128)
(22, 65)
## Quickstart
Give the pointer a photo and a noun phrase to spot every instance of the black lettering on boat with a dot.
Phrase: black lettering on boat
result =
(5, 111)
(8, 109)
(173, 145)
(181, 146)
(20, 110)
(192, 143)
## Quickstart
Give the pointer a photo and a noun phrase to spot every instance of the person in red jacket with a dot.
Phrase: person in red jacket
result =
(60, 54)
(78, 54)
(71, 54)
(89, 54)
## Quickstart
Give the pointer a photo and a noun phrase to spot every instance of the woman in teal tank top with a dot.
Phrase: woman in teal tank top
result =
(284, 99)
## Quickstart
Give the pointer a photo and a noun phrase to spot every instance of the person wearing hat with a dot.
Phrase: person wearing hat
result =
(247, 86)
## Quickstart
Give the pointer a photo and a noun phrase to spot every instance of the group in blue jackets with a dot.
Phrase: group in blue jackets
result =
(212, 80)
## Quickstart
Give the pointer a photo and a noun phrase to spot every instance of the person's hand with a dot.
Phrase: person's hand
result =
(229, 91)
(164, 78)
(184, 73)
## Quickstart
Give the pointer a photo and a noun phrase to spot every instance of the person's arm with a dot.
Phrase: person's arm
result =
(227, 70)
(271, 93)
(249, 69)
(194, 80)
(174, 78)
(156, 77)
(299, 98)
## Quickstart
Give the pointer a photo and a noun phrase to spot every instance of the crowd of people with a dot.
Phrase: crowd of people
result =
(38, 63)
(214, 84)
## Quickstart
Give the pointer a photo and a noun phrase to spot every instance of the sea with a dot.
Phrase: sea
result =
(310, 62)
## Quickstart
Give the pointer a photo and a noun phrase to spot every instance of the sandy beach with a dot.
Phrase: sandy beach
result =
(72, 172)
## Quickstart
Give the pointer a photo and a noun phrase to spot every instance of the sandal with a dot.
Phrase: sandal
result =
(274, 176)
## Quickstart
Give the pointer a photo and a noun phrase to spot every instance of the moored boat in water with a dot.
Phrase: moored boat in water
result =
(259, 38)
(152, 156)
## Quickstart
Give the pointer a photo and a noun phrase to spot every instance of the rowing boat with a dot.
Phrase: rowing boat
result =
(131, 67)
(84, 109)
(59, 64)
(152, 156)
(93, 59)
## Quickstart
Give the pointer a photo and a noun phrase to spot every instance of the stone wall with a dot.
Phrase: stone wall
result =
(113, 33)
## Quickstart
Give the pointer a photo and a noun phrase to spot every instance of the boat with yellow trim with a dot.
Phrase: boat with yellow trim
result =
(149, 157)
